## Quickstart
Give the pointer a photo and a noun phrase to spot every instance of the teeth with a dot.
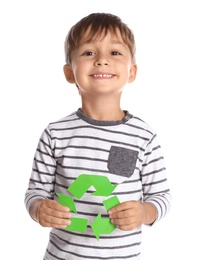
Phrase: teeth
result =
(102, 75)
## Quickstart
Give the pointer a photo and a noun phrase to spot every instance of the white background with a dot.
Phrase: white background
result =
(33, 92)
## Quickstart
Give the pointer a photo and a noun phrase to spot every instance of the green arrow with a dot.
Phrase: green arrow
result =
(101, 184)
(78, 224)
(102, 226)
(111, 202)
(67, 201)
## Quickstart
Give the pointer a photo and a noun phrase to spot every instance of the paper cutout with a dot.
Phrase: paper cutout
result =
(78, 224)
(111, 202)
(102, 226)
(101, 184)
(78, 188)
(67, 201)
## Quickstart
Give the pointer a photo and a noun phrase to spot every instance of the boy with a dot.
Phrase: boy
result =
(98, 149)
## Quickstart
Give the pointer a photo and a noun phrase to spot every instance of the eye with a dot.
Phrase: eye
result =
(88, 53)
(115, 53)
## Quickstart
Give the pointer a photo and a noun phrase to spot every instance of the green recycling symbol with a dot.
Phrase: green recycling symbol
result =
(78, 188)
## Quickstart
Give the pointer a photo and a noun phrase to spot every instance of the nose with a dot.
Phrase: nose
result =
(101, 61)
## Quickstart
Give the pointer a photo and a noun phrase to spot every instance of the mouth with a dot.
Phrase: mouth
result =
(102, 75)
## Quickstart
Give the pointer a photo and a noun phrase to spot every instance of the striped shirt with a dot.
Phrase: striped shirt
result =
(127, 152)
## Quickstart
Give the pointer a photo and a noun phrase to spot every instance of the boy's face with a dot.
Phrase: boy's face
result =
(101, 66)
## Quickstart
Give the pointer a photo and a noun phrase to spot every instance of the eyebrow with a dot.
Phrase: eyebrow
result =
(117, 42)
(112, 41)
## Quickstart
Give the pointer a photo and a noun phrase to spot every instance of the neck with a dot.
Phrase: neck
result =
(103, 109)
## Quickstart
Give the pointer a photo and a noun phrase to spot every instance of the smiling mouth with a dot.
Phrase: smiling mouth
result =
(105, 76)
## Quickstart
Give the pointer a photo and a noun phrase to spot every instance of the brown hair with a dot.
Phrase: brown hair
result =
(98, 24)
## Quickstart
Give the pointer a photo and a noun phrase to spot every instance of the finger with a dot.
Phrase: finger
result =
(126, 223)
(58, 214)
(51, 212)
(56, 206)
(123, 221)
(55, 222)
(127, 227)
(52, 215)
(122, 206)
(130, 213)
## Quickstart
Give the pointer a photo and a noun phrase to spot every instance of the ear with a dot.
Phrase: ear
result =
(133, 72)
(68, 73)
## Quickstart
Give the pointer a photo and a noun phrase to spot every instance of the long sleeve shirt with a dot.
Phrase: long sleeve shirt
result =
(127, 152)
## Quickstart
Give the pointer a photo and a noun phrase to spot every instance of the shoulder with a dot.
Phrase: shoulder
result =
(140, 125)
(57, 127)
(64, 120)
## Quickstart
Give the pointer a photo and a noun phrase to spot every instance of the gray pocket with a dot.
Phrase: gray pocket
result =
(122, 161)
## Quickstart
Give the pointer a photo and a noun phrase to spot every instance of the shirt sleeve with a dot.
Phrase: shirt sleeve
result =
(41, 182)
(154, 181)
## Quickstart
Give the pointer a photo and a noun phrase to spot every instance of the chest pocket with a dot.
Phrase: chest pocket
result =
(122, 161)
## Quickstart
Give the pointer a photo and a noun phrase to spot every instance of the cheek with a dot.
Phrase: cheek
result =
(76, 70)
(79, 67)
(127, 70)
(125, 65)
(79, 75)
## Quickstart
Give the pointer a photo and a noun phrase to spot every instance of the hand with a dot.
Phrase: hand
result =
(52, 214)
(127, 215)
